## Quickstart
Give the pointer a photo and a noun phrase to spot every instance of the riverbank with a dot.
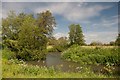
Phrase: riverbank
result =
(13, 68)
(18, 69)
(96, 55)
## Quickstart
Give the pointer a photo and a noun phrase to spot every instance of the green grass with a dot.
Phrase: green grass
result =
(98, 55)
(11, 69)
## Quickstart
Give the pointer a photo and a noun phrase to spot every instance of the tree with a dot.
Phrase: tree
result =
(118, 40)
(96, 43)
(62, 41)
(112, 43)
(62, 44)
(31, 42)
(11, 25)
(76, 35)
(46, 22)
(52, 41)
(26, 35)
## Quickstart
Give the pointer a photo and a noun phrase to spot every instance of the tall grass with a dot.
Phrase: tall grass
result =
(13, 69)
(98, 55)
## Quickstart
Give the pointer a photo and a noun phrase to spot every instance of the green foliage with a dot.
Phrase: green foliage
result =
(11, 25)
(7, 54)
(59, 45)
(46, 22)
(112, 43)
(28, 36)
(11, 44)
(118, 40)
(95, 43)
(19, 69)
(75, 35)
(31, 42)
(92, 55)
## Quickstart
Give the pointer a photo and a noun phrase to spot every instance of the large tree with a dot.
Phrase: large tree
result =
(46, 22)
(27, 35)
(76, 35)
(11, 25)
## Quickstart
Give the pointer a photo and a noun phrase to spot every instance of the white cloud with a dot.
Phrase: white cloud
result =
(55, 28)
(60, 0)
(74, 12)
(58, 35)
(43, 1)
(18, 7)
(104, 37)
(4, 14)
(71, 11)
(109, 23)
(104, 30)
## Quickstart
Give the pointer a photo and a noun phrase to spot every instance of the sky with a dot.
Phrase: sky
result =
(99, 20)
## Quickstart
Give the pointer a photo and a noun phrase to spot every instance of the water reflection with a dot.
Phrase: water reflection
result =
(54, 59)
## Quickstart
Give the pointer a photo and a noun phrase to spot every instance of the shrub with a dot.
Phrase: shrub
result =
(92, 55)
(8, 54)
(29, 55)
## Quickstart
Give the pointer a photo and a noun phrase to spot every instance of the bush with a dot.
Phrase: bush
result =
(8, 54)
(92, 55)
(11, 44)
(30, 55)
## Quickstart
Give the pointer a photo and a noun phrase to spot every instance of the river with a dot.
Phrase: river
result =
(54, 59)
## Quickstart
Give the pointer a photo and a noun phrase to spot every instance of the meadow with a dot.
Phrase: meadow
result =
(14, 68)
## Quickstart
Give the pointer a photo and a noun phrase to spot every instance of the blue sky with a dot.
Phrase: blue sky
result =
(99, 20)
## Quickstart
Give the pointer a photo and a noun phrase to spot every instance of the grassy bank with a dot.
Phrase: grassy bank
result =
(13, 68)
(98, 55)
(18, 69)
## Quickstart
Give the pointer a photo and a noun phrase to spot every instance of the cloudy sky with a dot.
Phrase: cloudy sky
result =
(99, 20)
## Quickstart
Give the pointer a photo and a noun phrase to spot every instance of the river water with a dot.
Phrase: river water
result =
(54, 59)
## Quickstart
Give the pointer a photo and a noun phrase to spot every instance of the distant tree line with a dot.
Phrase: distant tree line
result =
(112, 43)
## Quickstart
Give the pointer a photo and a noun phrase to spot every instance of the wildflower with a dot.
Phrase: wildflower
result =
(43, 61)
(113, 68)
(113, 64)
(25, 65)
(69, 65)
(37, 66)
(77, 67)
(81, 67)
(61, 65)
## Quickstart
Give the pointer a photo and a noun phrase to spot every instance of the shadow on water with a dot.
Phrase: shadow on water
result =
(54, 59)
